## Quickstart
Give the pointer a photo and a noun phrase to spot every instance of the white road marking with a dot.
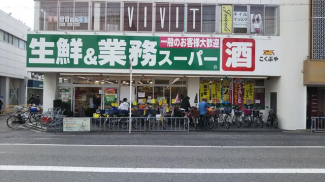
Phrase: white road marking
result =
(163, 170)
(168, 146)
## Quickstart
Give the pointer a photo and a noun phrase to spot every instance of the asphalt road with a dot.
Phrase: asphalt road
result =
(27, 155)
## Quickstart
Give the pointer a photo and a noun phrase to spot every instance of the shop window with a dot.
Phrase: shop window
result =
(6, 37)
(22, 44)
(271, 21)
(257, 19)
(259, 97)
(161, 82)
(15, 41)
(10, 37)
(181, 91)
(65, 80)
(112, 80)
(179, 81)
(208, 18)
(240, 19)
(259, 83)
(162, 17)
(66, 15)
(81, 16)
(145, 17)
(113, 17)
(130, 16)
(162, 93)
(48, 15)
(98, 16)
(144, 94)
(144, 81)
(1, 35)
(177, 18)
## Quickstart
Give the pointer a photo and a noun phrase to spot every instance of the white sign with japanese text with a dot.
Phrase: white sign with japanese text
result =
(76, 124)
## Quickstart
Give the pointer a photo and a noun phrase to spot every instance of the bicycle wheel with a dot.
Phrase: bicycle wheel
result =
(216, 121)
(221, 120)
(255, 123)
(124, 123)
(152, 122)
(99, 122)
(210, 122)
(247, 121)
(13, 122)
(261, 122)
(237, 122)
(136, 123)
(275, 123)
(35, 119)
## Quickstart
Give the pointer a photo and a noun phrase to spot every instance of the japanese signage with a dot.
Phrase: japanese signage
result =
(269, 56)
(130, 17)
(238, 54)
(240, 19)
(76, 124)
(115, 52)
(238, 91)
(204, 90)
(249, 91)
(69, 21)
(225, 92)
(110, 95)
(226, 19)
(216, 91)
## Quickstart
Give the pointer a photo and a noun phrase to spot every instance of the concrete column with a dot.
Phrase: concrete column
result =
(22, 92)
(193, 88)
(4, 91)
(50, 90)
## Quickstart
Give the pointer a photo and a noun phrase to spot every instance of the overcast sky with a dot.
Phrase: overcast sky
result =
(21, 9)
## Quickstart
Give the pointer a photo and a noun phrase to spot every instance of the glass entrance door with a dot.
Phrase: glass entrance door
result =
(87, 100)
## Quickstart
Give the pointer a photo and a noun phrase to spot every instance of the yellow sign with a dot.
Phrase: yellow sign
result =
(204, 90)
(226, 19)
(173, 101)
(216, 91)
(249, 91)
(135, 103)
(165, 101)
(153, 101)
(160, 102)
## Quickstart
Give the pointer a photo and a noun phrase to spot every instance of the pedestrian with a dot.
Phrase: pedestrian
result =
(97, 101)
(186, 104)
(203, 105)
(37, 101)
(1, 103)
(124, 107)
(31, 100)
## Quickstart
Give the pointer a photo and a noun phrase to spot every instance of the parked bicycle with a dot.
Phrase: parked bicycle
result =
(227, 117)
(272, 119)
(257, 118)
(248, 117)
(22, 115)
(238, 118)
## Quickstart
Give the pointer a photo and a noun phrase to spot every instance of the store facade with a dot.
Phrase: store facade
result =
(236, 54)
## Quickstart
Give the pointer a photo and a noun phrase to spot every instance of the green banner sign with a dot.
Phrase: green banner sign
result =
(116, 52)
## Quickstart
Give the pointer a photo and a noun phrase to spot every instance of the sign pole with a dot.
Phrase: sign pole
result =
(130, 111)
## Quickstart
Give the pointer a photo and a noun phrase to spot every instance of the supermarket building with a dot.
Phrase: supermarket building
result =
(242, 52)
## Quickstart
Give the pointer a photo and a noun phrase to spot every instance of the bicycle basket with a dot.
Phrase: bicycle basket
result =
(248, 112)
(109, 112)
(228, 110)
(33, 109)
(256, 113)
(18, 108)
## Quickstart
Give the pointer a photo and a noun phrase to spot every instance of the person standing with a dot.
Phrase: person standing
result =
(31, 100)
(203, 105)
(186, 104)
(37, 101)
(124, 107)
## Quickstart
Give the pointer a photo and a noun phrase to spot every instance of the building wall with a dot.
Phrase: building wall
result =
(12, 61)
(290, 90)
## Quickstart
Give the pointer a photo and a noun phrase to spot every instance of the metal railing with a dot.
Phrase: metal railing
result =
(139, 124)
(317, 124)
